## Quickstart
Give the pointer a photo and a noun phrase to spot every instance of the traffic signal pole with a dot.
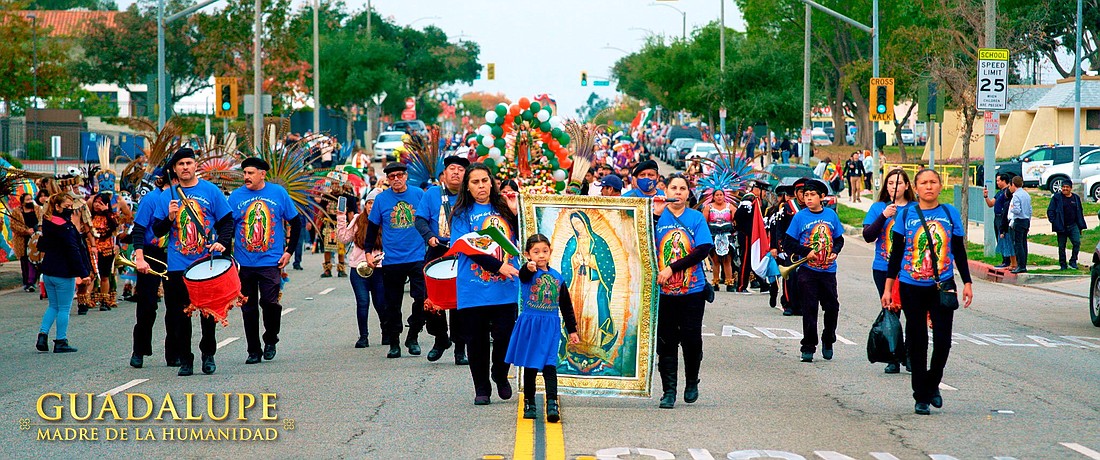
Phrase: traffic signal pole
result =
(162, 74)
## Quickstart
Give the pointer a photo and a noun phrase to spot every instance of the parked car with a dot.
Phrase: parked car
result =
(673, 152)
(700, 150)
(777, 172)
(820, 137)
(1031, 164)
(1094, 293)
(1091, 186)
(1053, 176)
(411, 126)
(386, 142)
(907, 137)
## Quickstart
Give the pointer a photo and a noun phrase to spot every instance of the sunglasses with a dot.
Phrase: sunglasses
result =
(395, 175)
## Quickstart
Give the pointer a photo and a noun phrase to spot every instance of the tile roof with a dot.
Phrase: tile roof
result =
(1022, 97)
(70, 23)
(1062, 95)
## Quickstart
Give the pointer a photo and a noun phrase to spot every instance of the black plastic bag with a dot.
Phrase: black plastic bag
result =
(885, 343)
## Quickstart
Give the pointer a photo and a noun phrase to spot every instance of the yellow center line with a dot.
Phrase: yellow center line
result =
(555, 440)
(525, 436)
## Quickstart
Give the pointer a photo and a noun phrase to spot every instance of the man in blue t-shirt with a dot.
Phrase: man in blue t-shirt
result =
(148, 284)
(394, 216)
(196, 227)
(261, 213)
(433, 221)
(816, 233)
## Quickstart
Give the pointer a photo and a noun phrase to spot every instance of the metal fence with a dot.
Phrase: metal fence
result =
(31, 142)
(951, 174)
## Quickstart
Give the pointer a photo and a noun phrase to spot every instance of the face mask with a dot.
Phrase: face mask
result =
(66, 214)
(28, 205)
(646, 184)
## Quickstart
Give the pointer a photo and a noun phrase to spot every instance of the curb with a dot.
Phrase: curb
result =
(1000, 275)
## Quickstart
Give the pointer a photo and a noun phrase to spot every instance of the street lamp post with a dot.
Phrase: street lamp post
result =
(162, 75)
(425, 18)
(316, 69)
(683, 18)
(34, 75)
(257, 80)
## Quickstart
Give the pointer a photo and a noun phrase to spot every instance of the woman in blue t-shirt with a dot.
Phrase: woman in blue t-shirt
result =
(878, 225)
(920, 259)
(683, 242)
(487, 286)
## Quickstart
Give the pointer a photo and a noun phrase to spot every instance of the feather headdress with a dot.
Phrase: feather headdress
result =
(422, 156)
(291, 168)
(730, 172)
(583, 147)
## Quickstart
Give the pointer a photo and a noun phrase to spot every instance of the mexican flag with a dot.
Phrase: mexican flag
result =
(490, 242)
(759, 244)
(641, 118)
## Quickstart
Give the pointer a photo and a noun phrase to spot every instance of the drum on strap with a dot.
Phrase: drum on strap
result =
(214, 287)
(440, 276)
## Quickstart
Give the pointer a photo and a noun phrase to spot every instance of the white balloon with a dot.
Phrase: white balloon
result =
(494, 153)
(484, 130)
(491, 117)
(555, 121)
(543, 115)
(487, 141)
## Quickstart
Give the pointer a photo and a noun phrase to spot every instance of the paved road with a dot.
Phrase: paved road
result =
(1022, 381)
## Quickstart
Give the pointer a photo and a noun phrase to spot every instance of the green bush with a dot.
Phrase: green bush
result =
(13, 160)
(36, 150)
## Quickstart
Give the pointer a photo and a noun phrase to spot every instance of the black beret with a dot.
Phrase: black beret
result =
(456, 159)
(395, 167)
(815, 185)
(180, 154)
(761, 184)
(253, 162)
(648, 164)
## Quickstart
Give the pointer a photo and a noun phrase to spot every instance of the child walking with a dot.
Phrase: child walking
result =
(536, 338)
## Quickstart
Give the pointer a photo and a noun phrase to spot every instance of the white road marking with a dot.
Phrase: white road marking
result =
(227, 341)
(326, 291)
(1082, 450)
(288, 310)
(120, 388)
(708, 334)
(944, 386)
(844, 340)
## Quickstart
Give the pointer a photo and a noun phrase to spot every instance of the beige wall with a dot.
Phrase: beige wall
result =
(1065, 128)
(1044, 128)
(951, 143)
(1014, 134)
(1020, 131)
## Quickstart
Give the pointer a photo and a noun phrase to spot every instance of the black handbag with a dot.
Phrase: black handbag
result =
(949, 296)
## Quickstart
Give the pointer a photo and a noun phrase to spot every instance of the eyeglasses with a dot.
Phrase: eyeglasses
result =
(395, 175)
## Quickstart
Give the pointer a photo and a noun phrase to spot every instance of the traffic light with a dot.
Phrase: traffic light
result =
(491, 71)
(584, 78)
(882, 99)
(225, 97)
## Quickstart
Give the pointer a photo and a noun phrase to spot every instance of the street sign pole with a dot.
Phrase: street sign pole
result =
(992, 97)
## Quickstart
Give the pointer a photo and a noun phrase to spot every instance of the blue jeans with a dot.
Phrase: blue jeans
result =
(364, 288)
(1074, 235)
(298, 245)
(786, 154)
(60, 292)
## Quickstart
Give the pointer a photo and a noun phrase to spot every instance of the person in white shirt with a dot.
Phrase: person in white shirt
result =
(1019, 218)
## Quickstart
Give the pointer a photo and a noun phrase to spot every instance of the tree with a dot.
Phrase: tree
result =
(593, 106)
(17, 69)
(1049, 28)
(366, 68)
(478, 103)
(88, 103)
(72, 4)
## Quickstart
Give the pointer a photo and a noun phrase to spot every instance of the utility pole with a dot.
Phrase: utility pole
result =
(990, 167)
(257, 81)
(804, 149)
(876, 156)
(317, 69)
(722, 67)
(1078, 187)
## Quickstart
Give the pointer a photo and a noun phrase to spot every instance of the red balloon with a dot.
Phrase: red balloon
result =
(509, 120)
(513, 110)
(565, 163)
(524, 103)
(555, 145)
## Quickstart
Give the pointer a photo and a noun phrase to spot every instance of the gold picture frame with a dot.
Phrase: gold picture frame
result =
(608, 244)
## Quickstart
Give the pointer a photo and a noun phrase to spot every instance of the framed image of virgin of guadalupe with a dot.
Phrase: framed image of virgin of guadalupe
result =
(603, 248)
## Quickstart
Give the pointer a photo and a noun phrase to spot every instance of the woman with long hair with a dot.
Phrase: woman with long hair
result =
(351, 227)
(62, 268)
(486, 285)
(719, 216)
(853, 172)
(104, 245)
(927, 245)
(683, 242)
(878, 226)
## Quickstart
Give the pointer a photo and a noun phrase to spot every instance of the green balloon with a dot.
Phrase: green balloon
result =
(554, 162)
(564, 141)
(559, 186)
(527, 115)
(545, 126)
(535, 106)
(498, 132)
(482, 150)
(499, 143)
(491, 164)
(501, 110)
(548, 110)
(556, 133)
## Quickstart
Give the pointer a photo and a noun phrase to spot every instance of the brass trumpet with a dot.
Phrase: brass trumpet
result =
(121, 260)
(364, 269)
(785, 272)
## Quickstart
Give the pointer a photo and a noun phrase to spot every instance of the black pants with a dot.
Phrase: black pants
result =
(917, 302)
(261, 286)
(880, 283)
(1020, 227)
(478, 324)
(176, 299)
(818, 288)
(147, 290)
(30, 276)
(680, 325)
(549, 375)
(744, 270)
(393, 280)
(436, 323)
(790, 299)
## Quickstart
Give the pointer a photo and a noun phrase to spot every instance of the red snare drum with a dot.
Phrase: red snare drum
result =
(439, 278)
(214, 287)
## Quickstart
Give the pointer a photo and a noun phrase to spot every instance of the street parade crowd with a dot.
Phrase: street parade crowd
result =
(175, 226)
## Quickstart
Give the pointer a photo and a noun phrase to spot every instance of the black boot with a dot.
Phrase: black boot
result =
(43, 342)
(691, 391)
(412, 344)
(668, 384)
(395, 351)
(460, 355)
(441, 345)
(552, 415)
(62, 346)
(528, 409)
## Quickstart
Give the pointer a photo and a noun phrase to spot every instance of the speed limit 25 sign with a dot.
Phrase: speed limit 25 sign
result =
(992, 79)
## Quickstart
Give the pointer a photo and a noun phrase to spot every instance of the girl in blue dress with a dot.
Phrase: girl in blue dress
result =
(536, 337)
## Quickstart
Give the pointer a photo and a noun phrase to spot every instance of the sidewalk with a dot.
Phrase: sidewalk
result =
(10, 276)
(976, 234)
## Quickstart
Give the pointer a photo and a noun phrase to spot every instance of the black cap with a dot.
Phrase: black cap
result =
(395, 167)
(761, 184)
(784, 189)
(180, 154)
(254, 162)
(815, 185)
(648, 164)
(798, 184)
(456, 160)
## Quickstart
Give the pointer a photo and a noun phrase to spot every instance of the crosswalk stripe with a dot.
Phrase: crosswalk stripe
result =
(326, 291)
(227, 341)
(285, 311)
(1082, 450)
(124, 386)
(944, 386)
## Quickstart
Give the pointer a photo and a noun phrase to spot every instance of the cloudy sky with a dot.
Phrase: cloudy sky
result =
(542, 46)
